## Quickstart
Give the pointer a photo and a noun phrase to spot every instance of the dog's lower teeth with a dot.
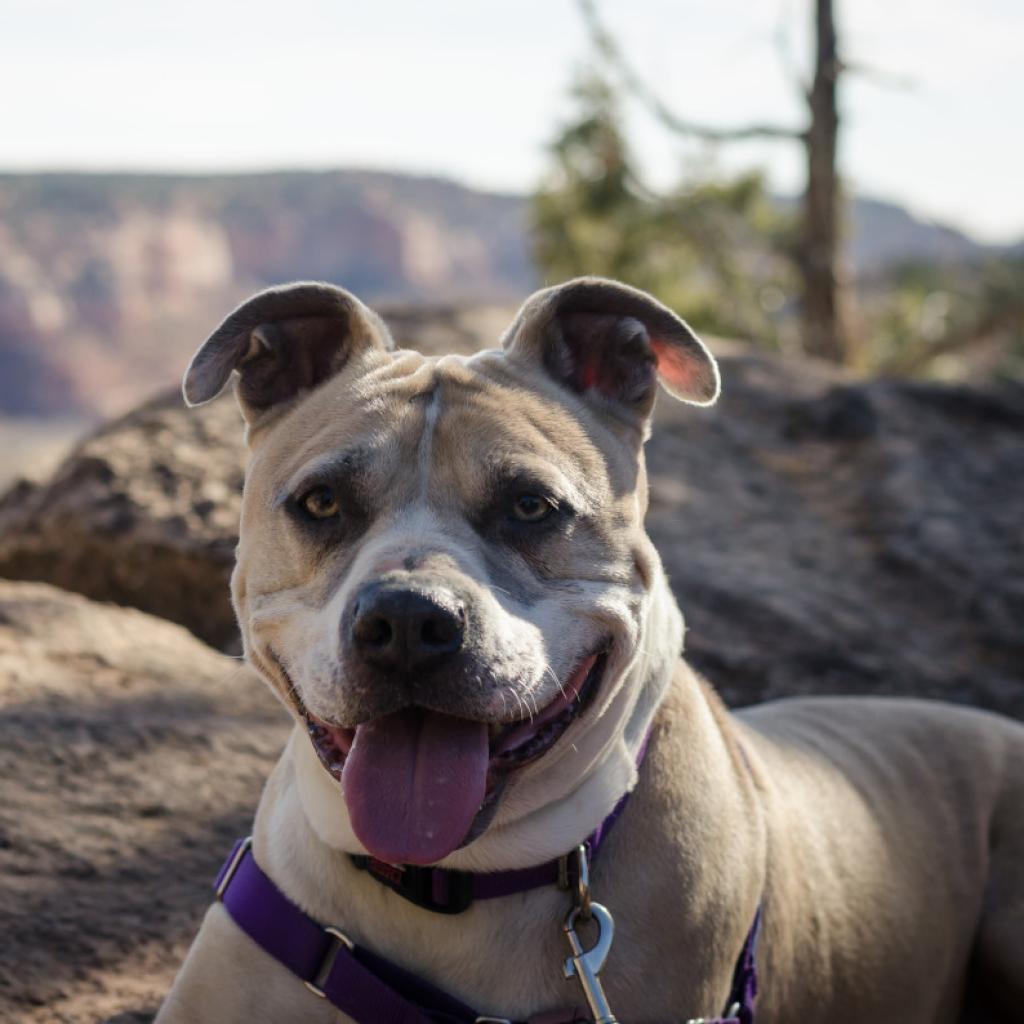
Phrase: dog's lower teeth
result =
(536, 744)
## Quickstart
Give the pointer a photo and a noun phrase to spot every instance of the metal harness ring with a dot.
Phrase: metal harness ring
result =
(581, 897)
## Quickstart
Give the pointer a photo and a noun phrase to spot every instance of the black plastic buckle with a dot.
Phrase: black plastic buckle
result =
(416, 884)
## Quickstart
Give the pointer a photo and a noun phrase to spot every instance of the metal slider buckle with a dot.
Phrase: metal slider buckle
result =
(229, 871)
(338, 939)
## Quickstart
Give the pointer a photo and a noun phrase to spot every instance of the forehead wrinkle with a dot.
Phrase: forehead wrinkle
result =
(396, 384)
(488, 385)
(424, 450)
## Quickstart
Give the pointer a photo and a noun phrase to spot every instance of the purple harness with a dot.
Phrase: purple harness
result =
(372, 990)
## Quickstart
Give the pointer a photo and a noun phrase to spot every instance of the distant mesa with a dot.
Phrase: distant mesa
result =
(108, 281)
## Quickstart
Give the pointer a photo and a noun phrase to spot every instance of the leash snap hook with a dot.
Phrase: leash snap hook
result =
(586, 964)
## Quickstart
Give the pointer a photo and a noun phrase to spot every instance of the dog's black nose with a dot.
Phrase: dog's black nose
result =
(399, 629)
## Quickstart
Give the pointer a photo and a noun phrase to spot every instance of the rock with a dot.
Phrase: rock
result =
(823, 535)
(132, 756)
(144, 512)
(830, 536)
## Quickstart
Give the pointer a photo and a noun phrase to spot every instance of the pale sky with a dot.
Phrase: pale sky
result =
(474, 89)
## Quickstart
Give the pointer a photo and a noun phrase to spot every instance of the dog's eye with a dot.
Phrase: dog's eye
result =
(531, 508)
(320, 503)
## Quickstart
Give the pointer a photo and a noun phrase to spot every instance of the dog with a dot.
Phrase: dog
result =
(443, 574)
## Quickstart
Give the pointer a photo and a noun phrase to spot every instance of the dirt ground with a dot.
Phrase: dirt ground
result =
(131, 757)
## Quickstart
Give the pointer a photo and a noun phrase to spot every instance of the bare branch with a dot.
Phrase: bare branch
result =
(606, 46)
(879, 76)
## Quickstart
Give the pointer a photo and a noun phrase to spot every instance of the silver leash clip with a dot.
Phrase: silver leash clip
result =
(586, 964)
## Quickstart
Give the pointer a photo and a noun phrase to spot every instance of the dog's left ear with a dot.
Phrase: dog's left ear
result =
(282, 343)
(602, 338)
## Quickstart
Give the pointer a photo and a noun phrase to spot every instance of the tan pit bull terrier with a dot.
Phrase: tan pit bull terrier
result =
(443, 574)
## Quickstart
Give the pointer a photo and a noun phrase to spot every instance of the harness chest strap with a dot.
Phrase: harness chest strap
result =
(373, 990)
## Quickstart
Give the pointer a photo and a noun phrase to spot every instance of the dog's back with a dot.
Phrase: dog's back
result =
(915, 805)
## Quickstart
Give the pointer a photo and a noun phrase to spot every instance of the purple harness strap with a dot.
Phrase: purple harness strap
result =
(368, 988)
(372, 990)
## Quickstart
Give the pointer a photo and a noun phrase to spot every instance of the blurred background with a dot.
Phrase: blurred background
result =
(835, 181)
(831, 192)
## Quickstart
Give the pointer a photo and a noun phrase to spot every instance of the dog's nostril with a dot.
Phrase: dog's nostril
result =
(440, 632)
(373, 631)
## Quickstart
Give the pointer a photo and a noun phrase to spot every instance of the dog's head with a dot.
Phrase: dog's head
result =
(442, 568)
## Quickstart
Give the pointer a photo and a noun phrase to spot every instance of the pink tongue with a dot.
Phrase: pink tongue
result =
(413, 782)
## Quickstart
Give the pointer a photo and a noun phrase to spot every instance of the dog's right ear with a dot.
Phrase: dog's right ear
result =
(281, 343)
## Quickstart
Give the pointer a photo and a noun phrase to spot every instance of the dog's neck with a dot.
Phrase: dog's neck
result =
(557, 807)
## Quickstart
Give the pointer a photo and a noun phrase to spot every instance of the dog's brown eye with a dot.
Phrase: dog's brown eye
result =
(320, 503)
(531, 508)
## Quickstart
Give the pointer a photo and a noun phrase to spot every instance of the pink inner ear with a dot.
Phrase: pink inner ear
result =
(679, 370)
(589, 374)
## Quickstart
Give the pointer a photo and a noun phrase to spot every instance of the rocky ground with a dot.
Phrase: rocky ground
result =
(822, 535)
(132, 756)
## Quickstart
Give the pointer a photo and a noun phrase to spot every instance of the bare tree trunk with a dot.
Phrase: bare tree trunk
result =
(821, 310)
(823, 325)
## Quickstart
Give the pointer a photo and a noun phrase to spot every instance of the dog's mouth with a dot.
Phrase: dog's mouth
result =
(420, 783)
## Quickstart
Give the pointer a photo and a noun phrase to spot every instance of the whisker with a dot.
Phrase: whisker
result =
(524, 707)
(558, 682)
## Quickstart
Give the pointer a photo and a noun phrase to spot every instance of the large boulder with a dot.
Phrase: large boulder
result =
(830, 536)
(823, 535)
(144, 513)
(132, 755)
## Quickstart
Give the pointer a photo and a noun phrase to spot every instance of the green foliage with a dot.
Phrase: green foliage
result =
(948, 320)
(709, 248)
(721, 253)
